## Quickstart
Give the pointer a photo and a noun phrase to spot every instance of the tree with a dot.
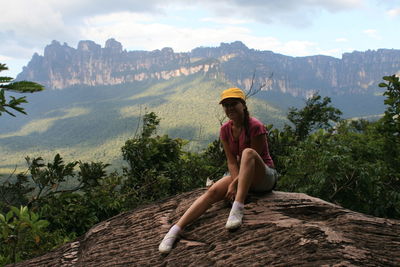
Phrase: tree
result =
(391, 118)
(20, 230)
(315, 115)
(152, 161)
(6, 84)
(356, 166)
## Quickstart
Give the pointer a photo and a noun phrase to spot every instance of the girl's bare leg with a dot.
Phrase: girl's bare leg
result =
(215, 193)
(252, 170)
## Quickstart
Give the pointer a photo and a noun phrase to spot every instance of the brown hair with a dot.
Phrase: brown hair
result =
(246, 121)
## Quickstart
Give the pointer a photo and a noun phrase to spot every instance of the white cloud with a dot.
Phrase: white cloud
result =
(116, 18)
(292, 12)
(341, 40)
(53, 18)
(298, 48)
(31, 20)
(230, 21)
(372, 33)
(395, 12)
(5, 58)
(151, 35)
(35, 23)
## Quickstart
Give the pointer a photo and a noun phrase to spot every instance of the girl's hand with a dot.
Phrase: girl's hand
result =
(231, 193)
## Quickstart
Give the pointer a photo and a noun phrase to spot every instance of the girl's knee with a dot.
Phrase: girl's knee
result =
(248, 153)
(217, 191)
(213, 194)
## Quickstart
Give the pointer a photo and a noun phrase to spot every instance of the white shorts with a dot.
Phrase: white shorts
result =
(269, 181)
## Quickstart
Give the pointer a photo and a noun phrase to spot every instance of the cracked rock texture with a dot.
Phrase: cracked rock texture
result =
(280, 229)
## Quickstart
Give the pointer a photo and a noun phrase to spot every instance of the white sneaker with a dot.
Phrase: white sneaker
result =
(167, 243)
(234, 219)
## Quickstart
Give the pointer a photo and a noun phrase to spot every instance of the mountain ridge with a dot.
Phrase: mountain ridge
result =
(357, 72)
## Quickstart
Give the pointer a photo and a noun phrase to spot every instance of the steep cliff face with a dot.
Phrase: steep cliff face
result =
(62, 66)
(358, 72)
(361, 70)
(279, 229)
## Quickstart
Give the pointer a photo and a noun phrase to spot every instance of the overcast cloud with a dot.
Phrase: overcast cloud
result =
(29, 25)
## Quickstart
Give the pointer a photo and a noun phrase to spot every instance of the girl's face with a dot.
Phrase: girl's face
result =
(233, 108)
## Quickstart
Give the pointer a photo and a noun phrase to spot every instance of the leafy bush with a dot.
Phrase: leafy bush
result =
(334, 168)
(158, 166)
(354, 164)
(21, 232)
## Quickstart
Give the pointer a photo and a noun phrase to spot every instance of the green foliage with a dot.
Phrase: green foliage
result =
(390, 123)
(91, 174)
(15, 193)
(6, 84)
(198, 167)
(392, 113)
(347, 168)
(279, 144)
(106, 199)
(73, 217)
(354, 164)
(158, 166)
(317, 114)
(47, 187)
(21, 232)
(49, 178)
(151, 161)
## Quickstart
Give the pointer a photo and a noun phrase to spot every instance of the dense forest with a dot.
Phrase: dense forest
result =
(354, 163)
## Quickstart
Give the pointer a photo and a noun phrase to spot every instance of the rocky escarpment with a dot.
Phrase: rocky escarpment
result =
(62, 66)
(280, 229)
(358, 72)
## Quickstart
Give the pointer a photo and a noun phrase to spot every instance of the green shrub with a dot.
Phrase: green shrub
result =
(21, 234)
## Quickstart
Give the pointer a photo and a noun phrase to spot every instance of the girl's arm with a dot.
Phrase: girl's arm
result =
(257, 143)
(231, 161)
(233, 168)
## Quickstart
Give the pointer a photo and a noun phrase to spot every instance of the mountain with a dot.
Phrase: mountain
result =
(62, 66)
(279, 229)
(89, 64)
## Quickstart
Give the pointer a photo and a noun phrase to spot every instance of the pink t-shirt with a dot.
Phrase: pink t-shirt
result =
(237, 147)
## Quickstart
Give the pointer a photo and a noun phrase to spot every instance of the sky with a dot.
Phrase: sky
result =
(289, 27)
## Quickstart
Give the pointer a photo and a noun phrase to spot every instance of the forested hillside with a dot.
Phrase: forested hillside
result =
(92, 123)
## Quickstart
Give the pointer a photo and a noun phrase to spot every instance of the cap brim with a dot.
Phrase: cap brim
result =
(230, 97)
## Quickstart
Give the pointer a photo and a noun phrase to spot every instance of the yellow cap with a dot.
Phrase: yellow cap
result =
(232, 93)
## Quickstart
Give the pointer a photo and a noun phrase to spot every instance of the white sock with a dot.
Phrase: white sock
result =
(237, 206)
(175, 229)
(169, 239)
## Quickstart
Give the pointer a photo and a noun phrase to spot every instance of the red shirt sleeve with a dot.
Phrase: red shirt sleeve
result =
(256, 128)
(223, 134)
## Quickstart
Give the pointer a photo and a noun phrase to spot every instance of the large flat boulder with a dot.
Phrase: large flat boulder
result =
(280, 229)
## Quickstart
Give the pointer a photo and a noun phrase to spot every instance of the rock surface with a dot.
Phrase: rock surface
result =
(280, 229)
